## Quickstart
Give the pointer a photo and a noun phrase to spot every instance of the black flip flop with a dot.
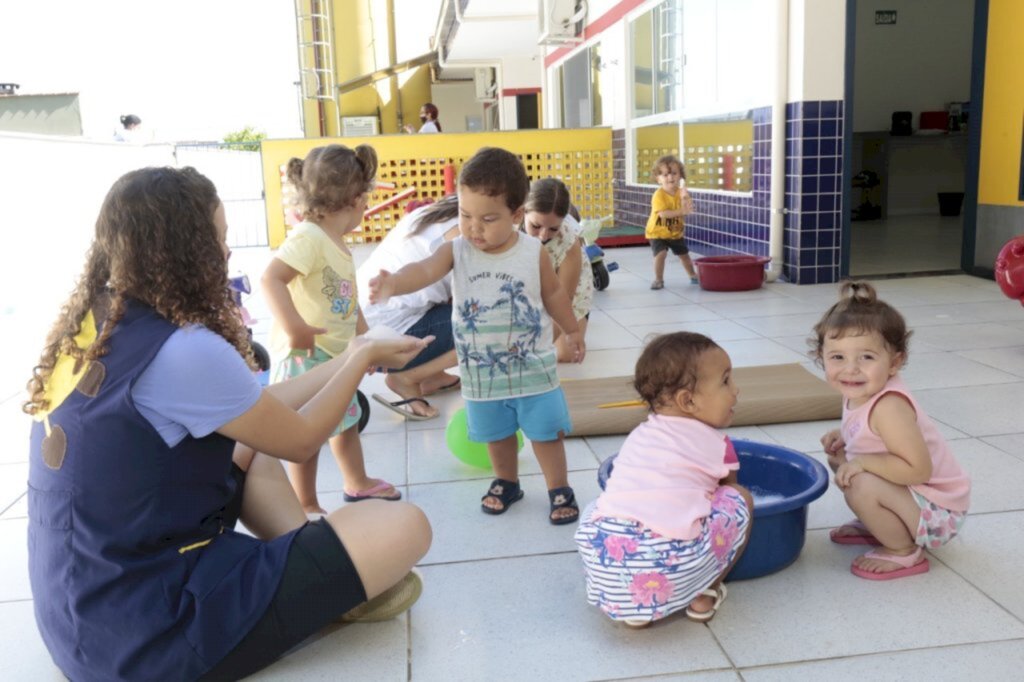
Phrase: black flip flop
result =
(396, 406)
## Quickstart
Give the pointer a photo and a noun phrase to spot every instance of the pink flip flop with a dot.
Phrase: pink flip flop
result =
(371, 493)
(862, 537)
(912, 564)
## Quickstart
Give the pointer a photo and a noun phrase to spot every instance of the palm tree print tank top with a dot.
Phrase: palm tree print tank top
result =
(502, 332)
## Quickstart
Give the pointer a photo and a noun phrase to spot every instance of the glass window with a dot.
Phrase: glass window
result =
(653, 142)
(718, 152)
(580, 79)
(656, 38)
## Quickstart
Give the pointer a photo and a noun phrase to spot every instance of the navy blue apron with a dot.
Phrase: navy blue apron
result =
(134, 572)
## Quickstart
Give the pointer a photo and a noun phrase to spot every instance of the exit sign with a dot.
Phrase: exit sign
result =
(885, 16)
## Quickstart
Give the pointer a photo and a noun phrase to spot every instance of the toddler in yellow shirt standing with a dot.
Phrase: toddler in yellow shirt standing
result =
(665, 227)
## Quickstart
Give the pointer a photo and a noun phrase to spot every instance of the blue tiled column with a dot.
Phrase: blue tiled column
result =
(732, 223)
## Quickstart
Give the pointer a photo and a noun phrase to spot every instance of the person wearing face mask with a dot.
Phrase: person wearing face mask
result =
(551, 218)
(428, 117)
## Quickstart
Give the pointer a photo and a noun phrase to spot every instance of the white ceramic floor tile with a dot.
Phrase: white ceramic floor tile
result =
(997, 478)
(977, 410)
(817, 609)
(13, 483)
(665, 314)
(1012, 443)
(998, 660)
(718, 330)
(14, 583)
(17, 510)
(462, 532)
(989, 553)
(15, 426)
(1004, 359)
(942, 370)
(383, 454)
(749, 352)
(22, 650)
(778, 326)
(474, 615)
(430, 460)
(964, 337)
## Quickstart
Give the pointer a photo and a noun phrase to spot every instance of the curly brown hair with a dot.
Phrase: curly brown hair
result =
(669, 363)
(668, 160)
(859, 311)
(156, 243)
(332, 178)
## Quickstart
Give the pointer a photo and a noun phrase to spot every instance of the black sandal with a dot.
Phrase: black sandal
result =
(506, 492)
(563, 498)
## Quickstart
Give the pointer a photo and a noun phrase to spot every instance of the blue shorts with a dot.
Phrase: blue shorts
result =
(437, 322)
(541, 417)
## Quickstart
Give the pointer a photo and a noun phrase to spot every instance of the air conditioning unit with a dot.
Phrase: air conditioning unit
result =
(359, 126)
(483, 82)
(558, 19)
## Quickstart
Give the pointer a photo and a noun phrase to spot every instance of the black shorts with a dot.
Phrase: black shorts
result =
(678, 246)
(319, 584)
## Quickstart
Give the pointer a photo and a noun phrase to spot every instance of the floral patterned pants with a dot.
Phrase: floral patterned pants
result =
(632, 572)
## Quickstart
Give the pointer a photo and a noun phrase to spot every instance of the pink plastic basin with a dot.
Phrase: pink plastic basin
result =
(731, 273)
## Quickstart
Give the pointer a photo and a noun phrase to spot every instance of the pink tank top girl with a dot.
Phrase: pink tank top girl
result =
(949, 487)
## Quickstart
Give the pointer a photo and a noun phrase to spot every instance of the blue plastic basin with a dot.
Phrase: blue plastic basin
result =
(780, 524)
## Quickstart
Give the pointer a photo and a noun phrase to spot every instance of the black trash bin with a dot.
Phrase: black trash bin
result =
(950, 203)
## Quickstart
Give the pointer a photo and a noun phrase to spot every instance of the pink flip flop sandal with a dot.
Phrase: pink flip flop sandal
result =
(372, 493)
(912, 564)
(862, 537)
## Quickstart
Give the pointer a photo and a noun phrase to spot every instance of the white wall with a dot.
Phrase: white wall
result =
(918, 64)
(817, 38)
(459, 101)
(517, 72)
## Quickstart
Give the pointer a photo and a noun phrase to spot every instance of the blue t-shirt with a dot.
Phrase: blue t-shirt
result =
(196, 384)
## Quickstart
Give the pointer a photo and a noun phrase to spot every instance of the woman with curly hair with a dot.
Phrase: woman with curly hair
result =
(153, 438)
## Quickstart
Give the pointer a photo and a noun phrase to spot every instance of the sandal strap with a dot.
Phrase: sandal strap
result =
(567, 495)
(506, 489)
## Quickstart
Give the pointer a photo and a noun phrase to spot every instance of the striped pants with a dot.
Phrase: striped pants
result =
(632, 572)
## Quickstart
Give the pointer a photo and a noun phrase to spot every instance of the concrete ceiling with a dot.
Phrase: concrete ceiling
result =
(488, 31)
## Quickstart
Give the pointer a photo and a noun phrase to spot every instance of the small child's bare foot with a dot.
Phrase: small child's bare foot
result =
(314, 509)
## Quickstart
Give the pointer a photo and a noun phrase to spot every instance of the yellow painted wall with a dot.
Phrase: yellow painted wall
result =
(1003, 106)
(360, 48)
(582, 159)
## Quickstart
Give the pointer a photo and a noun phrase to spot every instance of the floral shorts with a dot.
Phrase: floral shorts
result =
(633, 572)
(298, 363)
(938, 525)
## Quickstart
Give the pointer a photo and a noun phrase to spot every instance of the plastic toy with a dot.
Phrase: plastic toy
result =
(783, 482)
(595, 254)
(1009, 271)
(470, 452)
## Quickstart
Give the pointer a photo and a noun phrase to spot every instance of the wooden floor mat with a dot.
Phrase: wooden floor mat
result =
(769, 394)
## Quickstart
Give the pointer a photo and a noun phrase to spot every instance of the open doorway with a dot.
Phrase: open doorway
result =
(911, 71)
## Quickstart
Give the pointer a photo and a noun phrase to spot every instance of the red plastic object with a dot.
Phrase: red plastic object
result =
(731, 273)
(449, 179)
(934, 120)
(1010, 268)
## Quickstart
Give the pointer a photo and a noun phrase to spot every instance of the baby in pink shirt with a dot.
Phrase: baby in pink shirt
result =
(894, 467)
(672, 520)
